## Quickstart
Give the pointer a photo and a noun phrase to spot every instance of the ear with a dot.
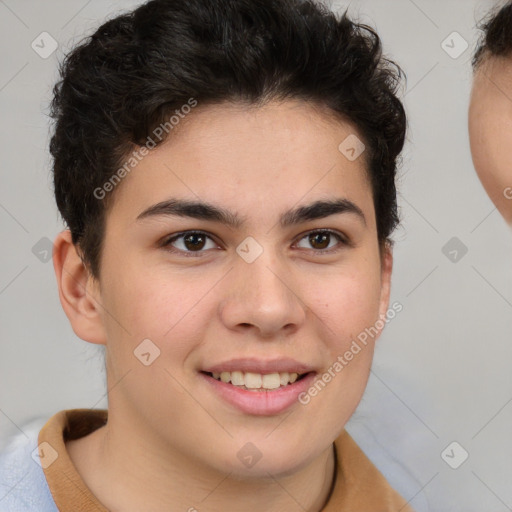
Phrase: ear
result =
(386, 270)
(78, 291)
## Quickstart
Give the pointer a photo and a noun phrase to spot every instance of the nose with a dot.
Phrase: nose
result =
(261, 296)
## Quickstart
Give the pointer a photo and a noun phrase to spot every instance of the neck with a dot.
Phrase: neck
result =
(167, 479)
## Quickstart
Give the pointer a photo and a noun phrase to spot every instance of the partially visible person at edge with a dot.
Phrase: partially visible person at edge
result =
(490, 109)
(226, 173)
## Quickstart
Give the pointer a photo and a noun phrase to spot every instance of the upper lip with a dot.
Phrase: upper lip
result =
(280, 365)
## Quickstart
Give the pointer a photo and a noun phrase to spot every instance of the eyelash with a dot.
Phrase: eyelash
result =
(167, 242)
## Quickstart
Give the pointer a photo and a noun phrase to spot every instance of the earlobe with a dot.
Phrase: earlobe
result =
(78, 291)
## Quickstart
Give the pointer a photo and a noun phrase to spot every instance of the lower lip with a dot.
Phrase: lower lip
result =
(261, 402)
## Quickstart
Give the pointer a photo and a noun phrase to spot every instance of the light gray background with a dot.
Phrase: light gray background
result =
(442, 367)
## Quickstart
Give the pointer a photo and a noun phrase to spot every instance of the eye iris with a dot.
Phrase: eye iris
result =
(194, 241)
(319, 238)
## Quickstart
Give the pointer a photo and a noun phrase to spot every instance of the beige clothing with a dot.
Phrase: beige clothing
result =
(359, 486)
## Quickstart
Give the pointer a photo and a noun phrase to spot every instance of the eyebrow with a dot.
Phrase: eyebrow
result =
(207, 211)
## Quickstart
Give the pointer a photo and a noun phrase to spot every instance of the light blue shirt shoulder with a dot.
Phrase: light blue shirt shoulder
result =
(23, 486)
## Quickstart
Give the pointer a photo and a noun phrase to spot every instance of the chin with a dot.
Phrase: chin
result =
(268, 468)
(267, 460)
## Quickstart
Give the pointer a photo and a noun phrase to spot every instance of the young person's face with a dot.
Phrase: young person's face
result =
(490, 131)
(207, 307)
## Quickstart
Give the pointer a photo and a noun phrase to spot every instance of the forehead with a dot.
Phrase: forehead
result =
(251, 156)
(493, 81)
(290, 130)
(490, 109)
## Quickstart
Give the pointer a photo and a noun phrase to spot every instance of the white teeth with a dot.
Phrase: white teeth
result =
(251, 380)
(237, 378)
(271, 381)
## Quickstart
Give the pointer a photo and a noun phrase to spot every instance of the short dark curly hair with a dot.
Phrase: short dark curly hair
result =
(496, 40)
(140, 67)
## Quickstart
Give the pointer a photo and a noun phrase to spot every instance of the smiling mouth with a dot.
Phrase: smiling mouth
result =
(256, 381)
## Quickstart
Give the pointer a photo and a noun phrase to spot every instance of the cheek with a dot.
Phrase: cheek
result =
(166, 309)
(479, 140)
(349, 310)
(347, 303)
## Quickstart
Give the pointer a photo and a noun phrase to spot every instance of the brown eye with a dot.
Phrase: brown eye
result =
(189, 242)
(323, 240)
(194, 241)
(319, 240)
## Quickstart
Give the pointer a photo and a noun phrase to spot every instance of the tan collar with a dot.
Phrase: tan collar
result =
(359, 484)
